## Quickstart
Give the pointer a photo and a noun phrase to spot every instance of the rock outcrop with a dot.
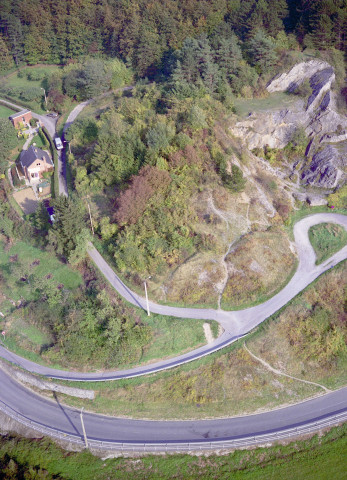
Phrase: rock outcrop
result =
(323, 167)
(326, 168)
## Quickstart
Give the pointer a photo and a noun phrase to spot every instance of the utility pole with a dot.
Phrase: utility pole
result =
(84, 430)
(148, 312)
(44, 92)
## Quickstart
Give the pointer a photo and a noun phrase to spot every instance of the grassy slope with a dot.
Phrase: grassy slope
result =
(231, 382)
(14, 81)
(317, 458)
(171, 336)
(327, 239)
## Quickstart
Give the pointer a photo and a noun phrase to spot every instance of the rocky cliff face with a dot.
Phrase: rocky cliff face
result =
(325, 164)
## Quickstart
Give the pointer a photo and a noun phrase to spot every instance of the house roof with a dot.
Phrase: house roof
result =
(19, 114)
(28, 157)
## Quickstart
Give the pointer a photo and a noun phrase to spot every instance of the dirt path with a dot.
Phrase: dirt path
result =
(226, 218)
(279, 372)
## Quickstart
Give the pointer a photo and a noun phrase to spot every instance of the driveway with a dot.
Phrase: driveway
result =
(48, 122)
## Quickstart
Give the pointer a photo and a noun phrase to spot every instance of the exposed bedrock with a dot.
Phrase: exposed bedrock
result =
(324, 167)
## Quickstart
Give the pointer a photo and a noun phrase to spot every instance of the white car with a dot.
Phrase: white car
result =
(58, 143)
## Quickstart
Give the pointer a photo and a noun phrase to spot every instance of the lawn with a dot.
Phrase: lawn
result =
(318, 458)
(45, 265)
(19, 82)
(39, 143)
(5, 112)
(327, 239)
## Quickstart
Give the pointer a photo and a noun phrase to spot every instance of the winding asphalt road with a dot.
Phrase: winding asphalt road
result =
(27, 407)
(235, 323)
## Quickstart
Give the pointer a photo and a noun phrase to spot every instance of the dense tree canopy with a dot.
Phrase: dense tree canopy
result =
(144, 32)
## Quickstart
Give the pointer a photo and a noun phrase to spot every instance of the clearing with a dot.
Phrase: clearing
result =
(20, 88)
(272, 102)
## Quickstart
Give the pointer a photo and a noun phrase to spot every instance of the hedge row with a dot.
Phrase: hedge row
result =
(55, 192)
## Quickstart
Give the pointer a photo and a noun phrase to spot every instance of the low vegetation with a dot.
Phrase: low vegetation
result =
(307, 340)
(60, 316)
(320, 457)
(259, 265)
(327, 239)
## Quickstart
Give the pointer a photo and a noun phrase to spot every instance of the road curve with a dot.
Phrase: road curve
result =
(43, 414)
(235, 323)
(57, 420)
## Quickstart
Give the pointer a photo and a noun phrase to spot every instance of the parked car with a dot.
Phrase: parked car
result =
(58, 143)
(52, 114)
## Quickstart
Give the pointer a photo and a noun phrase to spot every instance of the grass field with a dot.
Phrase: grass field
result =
(327, 239)
(5, 112)
(246, 106)
(22, 82)
(322, 457)
(47, 265)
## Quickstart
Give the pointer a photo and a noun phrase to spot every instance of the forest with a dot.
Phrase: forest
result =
(146, 34)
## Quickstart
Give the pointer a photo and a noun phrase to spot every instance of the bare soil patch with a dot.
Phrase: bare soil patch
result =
(259, 264)
(27, 200)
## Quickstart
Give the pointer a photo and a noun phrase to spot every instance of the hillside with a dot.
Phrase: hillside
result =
(205, 217)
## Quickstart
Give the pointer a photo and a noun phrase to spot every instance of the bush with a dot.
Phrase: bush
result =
(36, 75)
(33, 122)
(304, 90)
(31, 94)
(235, 182)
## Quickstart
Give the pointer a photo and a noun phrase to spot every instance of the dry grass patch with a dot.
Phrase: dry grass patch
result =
(196, 282)
(258, 266)
(309, 339)
(233, 384)
(27, 200)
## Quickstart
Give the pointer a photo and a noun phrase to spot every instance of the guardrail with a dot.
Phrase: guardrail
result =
(246, 441)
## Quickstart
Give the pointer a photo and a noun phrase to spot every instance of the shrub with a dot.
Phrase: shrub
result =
(36, 75)
(235, 182)
(304, 89)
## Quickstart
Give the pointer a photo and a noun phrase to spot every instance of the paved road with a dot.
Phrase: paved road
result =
(67, 420)
(235, 323)
(28, 407)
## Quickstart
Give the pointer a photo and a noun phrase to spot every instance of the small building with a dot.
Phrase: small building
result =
(23, 117)
(34, 162)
